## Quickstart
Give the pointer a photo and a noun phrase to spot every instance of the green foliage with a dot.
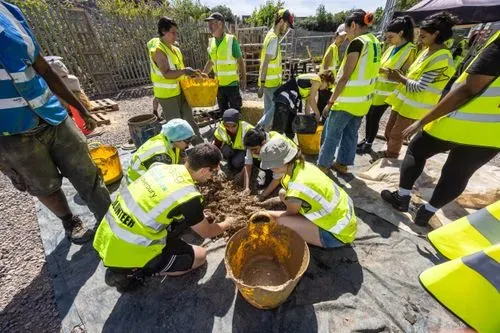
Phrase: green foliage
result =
(24, 4)
(378, 15)
(402, 5)
(323, 20)
(129, 8)
(183, 10)
(266, 13)
(226, 11)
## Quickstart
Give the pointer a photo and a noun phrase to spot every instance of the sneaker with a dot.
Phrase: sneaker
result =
(364, 149)
(123, 280)
(397, 201)
(359, 145)
(76, 231)
(340, 168)
(421, 216)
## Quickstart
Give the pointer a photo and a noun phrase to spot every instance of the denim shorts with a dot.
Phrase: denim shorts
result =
(328, 240)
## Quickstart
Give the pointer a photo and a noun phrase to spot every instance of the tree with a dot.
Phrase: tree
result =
(183, 10)
(378, 15)
(226, 11)
(266, 13)
(402, 5)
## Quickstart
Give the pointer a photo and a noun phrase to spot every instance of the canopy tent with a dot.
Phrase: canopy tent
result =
(468, 11)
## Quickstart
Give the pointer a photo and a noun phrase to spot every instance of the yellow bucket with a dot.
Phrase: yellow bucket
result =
(266, 261)
(107, 160)
(309, 143)
(200, 91)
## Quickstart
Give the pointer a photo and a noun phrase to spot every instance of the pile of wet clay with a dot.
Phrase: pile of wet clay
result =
(224, 199)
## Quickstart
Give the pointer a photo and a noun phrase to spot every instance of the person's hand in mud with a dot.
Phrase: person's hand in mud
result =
(209, 216)
(246, 192)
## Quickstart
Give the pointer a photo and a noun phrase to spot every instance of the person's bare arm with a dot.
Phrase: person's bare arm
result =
(350, 65)
(312, 103)
(473, 85)
(269, 189)
(208, 67)
(243, 73)
(327, 59)
(161, 61)
(247, 172)
(210, 230)
(292, 208)
(58, 87)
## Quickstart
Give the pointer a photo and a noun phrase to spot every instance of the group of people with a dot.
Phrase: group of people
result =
(139, 232)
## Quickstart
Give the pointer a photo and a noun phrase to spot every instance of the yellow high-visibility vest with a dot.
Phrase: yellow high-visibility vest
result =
(331, 208)
(384, 87)
(134, 229)
(157, 145)
(274, 69)
(162, 87)
(417, 105)
(304, 83)
(356, 98)
(477, 122)
(469, 287)
(225, 65)
(222, 135)
(469, 234)
(334, 63)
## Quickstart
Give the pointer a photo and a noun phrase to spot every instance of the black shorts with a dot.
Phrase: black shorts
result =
(177, 256)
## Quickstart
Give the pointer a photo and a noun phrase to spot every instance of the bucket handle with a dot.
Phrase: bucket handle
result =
(261, 217)
(94, 144)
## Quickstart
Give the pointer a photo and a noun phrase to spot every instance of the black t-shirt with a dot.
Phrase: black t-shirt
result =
(185, 216)
(355, 46)
(488, 62)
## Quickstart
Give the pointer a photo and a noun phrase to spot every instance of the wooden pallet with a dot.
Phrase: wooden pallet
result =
(107, 105)
(101, 120)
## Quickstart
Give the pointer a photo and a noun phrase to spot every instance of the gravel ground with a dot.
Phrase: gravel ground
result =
(26, 293)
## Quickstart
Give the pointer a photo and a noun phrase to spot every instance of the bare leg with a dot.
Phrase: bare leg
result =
(305, 228)
(56, 203)
(200, 256)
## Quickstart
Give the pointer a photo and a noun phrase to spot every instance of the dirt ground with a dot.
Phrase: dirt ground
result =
(26, 293)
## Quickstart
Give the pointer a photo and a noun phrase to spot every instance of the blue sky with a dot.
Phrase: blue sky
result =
(298, 7)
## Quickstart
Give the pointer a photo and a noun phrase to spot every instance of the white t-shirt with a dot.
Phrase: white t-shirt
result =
(272, 47)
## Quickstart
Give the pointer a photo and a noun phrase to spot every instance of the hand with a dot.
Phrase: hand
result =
(90, 123)
(243, 85)
(261, 197)
(260, 92)
(205, 75)
(393, 75)
(282, 195)
(189, 71)
(326, 110)
(246, 192)
(412, 129)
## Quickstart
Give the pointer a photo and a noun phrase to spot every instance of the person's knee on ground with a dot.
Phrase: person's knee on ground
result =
(200, 258)
(238, 160)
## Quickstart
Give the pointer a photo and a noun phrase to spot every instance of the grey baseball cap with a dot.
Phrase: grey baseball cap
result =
(276, 153)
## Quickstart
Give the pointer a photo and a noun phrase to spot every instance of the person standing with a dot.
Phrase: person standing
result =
(421, 90)
(466, 123)
(352, 96)
(399, 56)
(270, 70)
(39, 143)
(331, 62)
(226, 60)
(167, 68)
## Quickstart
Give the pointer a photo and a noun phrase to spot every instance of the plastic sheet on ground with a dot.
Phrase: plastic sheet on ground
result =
(370, 287)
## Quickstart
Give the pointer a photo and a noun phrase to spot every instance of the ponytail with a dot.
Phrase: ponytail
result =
(360, 17)
(404, 24)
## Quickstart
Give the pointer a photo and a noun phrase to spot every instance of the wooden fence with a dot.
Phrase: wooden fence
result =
(107, 52)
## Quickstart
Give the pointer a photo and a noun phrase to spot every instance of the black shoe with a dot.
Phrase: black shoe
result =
(359, 145)
(421, 216)
(364, 149)
(75, 231)
(123, 280)
(397, 201)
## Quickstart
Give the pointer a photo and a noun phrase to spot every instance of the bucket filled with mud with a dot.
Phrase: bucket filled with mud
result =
(266, 261)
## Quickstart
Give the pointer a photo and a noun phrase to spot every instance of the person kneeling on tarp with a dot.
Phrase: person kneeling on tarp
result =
(316, 208)
(166, 147)
(140, 234)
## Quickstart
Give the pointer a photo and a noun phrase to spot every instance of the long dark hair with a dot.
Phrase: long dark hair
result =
(360, 17)
(442, 22)
(404, 24)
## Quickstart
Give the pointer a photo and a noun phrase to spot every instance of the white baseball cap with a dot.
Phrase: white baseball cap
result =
(341, 30)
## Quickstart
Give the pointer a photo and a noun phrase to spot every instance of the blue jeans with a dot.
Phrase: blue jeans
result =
(328, 240)
(340, 131)
(267, 118)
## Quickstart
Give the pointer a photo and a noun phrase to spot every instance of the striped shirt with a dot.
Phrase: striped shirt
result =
(416, 86)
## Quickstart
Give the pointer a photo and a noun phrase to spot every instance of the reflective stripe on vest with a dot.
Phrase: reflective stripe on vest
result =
(469, 287)
(19, 77)
(477, 122)
(128, 236)
(19, 102)
(163, 87)
(327, 206)
(224, 64)
(468, 234)
(356, 97)
(222, 135)
(274, 67)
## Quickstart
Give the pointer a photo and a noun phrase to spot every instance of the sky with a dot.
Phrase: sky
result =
(298, 7)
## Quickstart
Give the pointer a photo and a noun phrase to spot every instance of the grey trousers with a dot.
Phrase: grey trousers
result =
(177, 107)
(236, 158)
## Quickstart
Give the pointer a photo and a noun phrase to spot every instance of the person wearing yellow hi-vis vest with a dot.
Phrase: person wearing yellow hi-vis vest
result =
(140, 234)
(469, 287)
(167, 69)
(331, 62)
(460, 52)
(254, 139)
(353, 93)
(398, 56)
(316, 208)
(226, 60)
(229, 138)
(165, 147)
(469, 234)
(270, 69)
(427, 77)
(466, 122)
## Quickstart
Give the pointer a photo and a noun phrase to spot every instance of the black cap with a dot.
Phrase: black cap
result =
(215, 16)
